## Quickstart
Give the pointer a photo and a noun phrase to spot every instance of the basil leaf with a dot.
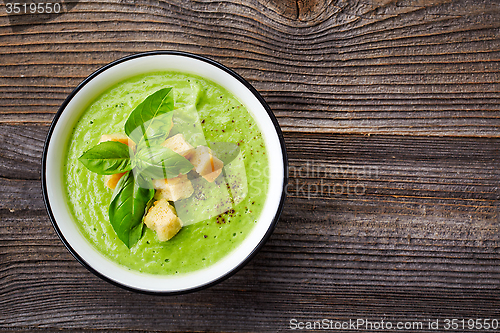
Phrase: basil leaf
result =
(136, 233)
(141, 121)
(127, 208)
(107, 158)
(158, 129)
(160, 162)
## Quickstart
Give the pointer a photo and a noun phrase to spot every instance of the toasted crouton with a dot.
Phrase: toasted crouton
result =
(178, 144)
(118, 137)
(112, 180)
(173, 189)
(162, 218)
(207, 165)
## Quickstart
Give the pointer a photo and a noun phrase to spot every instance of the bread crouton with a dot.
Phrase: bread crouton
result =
(178, 144)
(207, 165)
(173, 189)
(118, 137)
(161, 218)
(111, 180)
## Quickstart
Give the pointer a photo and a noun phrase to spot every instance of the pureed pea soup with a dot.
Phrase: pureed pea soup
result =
(203, 112)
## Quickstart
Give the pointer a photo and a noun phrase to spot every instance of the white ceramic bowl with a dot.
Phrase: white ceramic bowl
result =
(54, 188)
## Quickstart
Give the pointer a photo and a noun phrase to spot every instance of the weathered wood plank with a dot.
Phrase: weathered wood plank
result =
(428, 194)
(358, 275)
(375, 68)
(454, 179)
(418, 240)
(21, 153)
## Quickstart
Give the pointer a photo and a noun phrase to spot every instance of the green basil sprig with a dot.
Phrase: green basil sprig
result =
(148, 125)
(160, 162)
(107, 158)
(156, 129)
(127, 208)
(141, 121)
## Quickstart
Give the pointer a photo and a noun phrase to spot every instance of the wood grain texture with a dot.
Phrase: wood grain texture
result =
(390, 111)
(390, 68)
(421, 242)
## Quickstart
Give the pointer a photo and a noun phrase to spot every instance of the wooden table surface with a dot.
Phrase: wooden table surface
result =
(393, 104)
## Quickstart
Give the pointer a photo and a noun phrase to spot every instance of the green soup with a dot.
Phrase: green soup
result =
(223, 119)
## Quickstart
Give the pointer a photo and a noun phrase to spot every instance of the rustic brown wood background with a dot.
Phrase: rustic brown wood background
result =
(396, 101)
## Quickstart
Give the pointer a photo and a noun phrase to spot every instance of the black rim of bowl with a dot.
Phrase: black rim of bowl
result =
(272, 224)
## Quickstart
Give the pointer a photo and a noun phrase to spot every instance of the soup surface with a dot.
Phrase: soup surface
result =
(203, 107)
